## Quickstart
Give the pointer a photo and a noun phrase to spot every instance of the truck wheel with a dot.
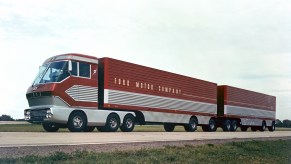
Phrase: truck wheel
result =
(50, 127)
(253, 128)
(77, 122)
(226, 126)
(211, 126)
(192, 126)
(263, 127)
(112, 123)
(128, 123)
(243, 128)
(89, 129)
(101, 128)
(205, 128)
(169, 127)
(272, 127)
(233, 125)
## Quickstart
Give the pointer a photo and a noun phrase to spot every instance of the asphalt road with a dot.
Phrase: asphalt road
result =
(20, 139)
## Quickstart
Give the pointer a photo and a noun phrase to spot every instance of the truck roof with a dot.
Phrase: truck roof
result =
(73, 56)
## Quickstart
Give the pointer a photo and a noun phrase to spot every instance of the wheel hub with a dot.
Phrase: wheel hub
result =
(78, 122)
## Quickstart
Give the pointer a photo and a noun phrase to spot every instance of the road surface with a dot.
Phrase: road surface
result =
(18, 139)
(17, 144)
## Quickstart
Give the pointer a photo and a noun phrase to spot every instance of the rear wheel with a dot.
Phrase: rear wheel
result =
(212, 126)
(101, 128)
(233, 125)
(244, 128)
(192, 126)
(205, 128)
(89, 129)
(77, 122)
(272, 127)
(169, 127)
(50, 127)
(263, 127)
(226, 126)
(253, 128)
(128, 123)
(112, 123)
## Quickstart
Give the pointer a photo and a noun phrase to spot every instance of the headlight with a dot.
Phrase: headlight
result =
(49, 113)
(27, 112)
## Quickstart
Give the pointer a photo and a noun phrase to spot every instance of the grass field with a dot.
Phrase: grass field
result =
(138, 128)
(235, 152)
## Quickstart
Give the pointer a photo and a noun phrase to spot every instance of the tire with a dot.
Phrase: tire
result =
(50, 127)
(253, 128)
(263, 127)
(101, 128)
(192, 126)
(272, 127)
(212, 126)
(226, 126)
(169, 127)
(77, 122)
(233, 127)
(112, 123)
(128, 123)
(89, 129)
(243, 128)
(205, 128)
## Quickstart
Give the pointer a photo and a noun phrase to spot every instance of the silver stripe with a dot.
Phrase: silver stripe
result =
(83, 93)
(150, 101)
(251, 112)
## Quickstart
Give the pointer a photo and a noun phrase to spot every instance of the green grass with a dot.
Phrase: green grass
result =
(235, 152)
(138, 128)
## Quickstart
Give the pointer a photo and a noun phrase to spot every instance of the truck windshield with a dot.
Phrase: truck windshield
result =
(52, 72)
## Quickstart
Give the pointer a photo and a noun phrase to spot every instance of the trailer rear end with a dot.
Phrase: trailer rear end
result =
(245, 108)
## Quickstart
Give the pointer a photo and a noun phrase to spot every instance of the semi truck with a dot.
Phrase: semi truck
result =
(81, 92)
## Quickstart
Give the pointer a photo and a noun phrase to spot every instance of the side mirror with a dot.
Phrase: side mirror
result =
(70, 66)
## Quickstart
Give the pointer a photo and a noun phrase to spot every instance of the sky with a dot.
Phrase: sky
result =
(246, 43)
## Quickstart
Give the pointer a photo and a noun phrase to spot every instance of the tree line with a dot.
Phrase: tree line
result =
(285, 123)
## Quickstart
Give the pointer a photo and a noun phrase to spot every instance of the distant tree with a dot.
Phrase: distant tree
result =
(287, 123)
(279, 123)
(5, 117)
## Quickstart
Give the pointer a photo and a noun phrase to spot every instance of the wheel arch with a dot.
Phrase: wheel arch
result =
(139, 116)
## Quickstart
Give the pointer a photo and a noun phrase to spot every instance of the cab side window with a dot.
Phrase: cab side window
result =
(81, 69)
(84, 69)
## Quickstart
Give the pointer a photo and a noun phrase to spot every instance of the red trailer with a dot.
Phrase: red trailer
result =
(156, 96)
(82, 92)
(245, 108)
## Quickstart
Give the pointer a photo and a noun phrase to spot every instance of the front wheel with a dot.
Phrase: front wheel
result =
(192, 126)
(50, 127)
(169, 127)
(128, 123)
(77, 122)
